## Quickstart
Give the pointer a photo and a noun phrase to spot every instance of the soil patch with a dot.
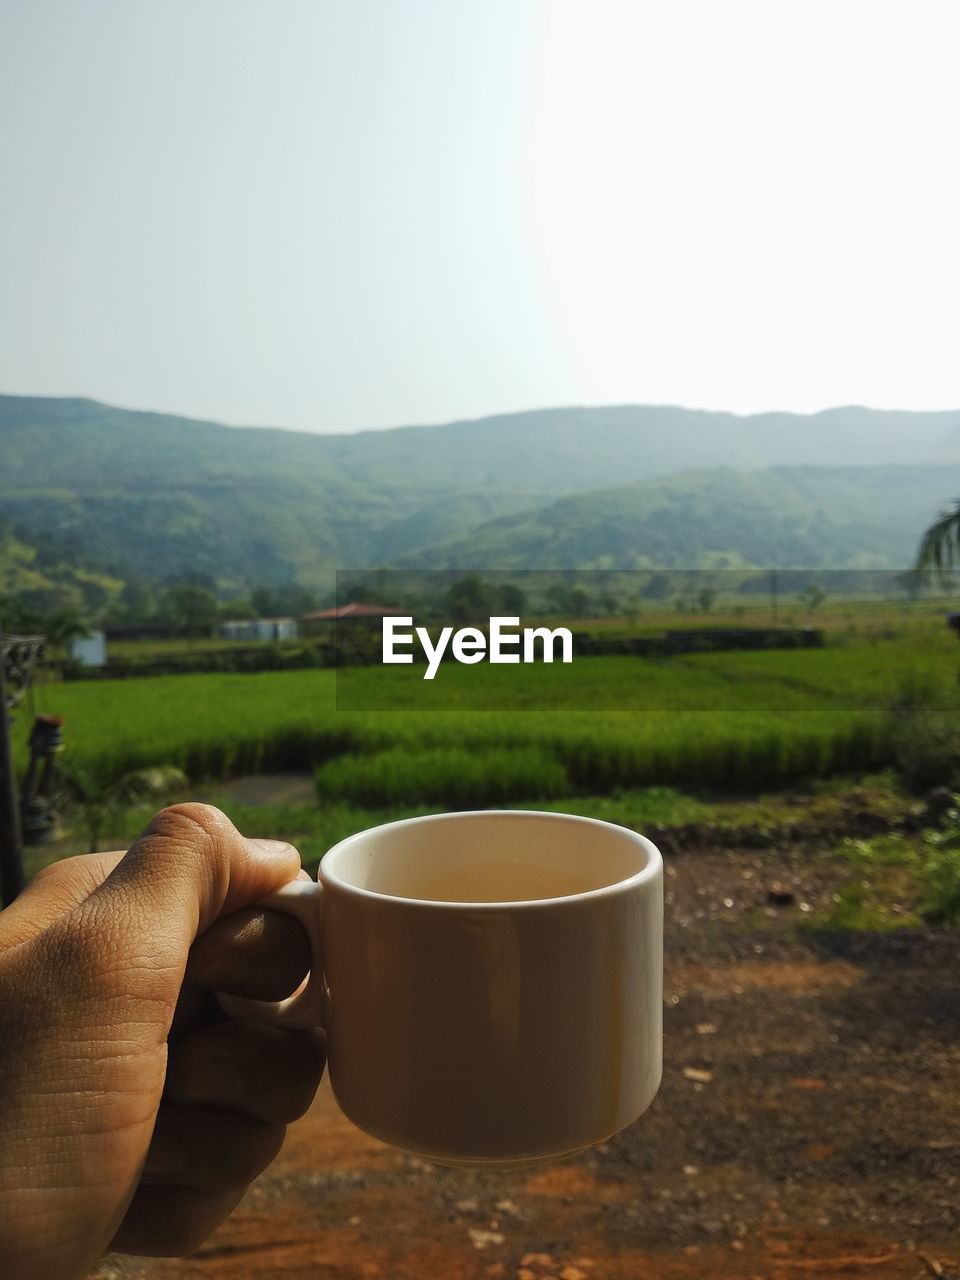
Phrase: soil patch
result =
(808, 1125)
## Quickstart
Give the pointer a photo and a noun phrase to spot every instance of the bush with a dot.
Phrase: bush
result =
(940, 878)
(899, 881)
(938, 872)
(923, 726)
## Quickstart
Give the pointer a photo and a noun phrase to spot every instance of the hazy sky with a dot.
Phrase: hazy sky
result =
(337, 214)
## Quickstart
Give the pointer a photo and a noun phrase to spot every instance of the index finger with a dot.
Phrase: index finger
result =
(254, 952)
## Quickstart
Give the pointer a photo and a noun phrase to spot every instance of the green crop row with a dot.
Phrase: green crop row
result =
(741, 720)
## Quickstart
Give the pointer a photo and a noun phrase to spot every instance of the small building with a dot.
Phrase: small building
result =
(322, 621)
(89, 650)
(259, 629)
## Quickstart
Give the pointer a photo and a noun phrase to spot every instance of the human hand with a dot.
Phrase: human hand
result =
(135, 1114)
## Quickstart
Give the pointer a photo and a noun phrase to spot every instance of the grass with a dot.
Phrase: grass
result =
(731, 724)
(859, 616)
(220, 726)
(641, 743)
(453, 776)
(898, 881)
(315, 828)
(860, 908)
(894, 881)
(160, 646)
(740, 721)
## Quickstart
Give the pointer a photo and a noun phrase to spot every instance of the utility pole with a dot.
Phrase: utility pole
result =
(774, 595)
(11, 846)
(17, 654)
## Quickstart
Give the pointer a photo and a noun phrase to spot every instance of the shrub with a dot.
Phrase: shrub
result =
(938, 872)
(940, 879)
(923, 726)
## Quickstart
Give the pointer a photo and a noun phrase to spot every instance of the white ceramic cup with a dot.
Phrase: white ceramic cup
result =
(491, 982)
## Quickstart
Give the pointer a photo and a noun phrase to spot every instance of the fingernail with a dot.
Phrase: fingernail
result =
(215, 1082)
(272, 848)
(167, 1156)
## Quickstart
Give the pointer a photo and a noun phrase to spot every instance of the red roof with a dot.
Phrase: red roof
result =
(355, 611)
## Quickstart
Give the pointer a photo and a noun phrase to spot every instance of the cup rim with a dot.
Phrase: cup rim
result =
(650, 871)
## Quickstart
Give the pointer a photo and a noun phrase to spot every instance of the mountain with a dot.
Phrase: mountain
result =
(39, 569)
(564, 450)
(948, 448)
(789, 517)
(154, 495)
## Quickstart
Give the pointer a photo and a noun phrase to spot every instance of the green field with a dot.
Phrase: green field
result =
(740, 721)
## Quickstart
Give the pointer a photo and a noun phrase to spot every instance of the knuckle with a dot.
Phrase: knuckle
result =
(49, 875)
(79, 869)
(197, 825)
(185, 837)
(255, 1145)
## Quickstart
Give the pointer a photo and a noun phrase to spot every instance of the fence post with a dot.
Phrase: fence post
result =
(11, 846)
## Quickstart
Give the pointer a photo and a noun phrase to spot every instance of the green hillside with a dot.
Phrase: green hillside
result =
(576, 449)
(42, 573)
(790, 517)
(151, 496)
(154, 495)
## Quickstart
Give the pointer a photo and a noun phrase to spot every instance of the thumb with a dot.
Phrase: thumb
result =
(91, 1000)
(190, 866)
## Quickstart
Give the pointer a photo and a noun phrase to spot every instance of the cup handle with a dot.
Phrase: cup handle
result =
(306, 1007)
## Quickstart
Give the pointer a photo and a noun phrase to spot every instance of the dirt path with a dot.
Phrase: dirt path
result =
(808, 1125)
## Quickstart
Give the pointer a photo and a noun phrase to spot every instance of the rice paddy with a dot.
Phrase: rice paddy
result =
(490, 734)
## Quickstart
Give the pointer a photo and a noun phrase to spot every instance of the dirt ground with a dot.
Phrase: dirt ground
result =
(808, 1125)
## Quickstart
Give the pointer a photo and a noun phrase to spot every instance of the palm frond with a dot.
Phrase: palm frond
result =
(939, 548)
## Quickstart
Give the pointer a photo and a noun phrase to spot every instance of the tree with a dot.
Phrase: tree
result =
(137, 605)
(62, 627)
(470, 599)
(17, 619)
(99, 798)
(264, 602)
(513, 599)
(193, 578)
(292, 600)
(238, 610)
(579, 602)
(191, 610)
(657, 587)
(812, 597)
(568, 601)
(911, 582)
(939, 548)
